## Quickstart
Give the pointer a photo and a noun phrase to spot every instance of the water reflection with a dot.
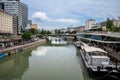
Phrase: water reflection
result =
(44, 63)
(58, 63)
(83, 69)
(41, 51)
(14, 67)
(57, 40)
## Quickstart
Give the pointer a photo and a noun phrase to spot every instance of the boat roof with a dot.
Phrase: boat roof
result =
(99, 57)
(93, 49)
(78, 42)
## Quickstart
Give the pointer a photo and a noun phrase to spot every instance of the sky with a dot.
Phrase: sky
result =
(56, 14)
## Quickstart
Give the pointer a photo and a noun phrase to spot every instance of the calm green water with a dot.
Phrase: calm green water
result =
(44, 63)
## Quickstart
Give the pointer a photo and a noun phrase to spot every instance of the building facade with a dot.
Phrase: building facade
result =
(6, 23)
(34, 26)
(19, 11)
(63, 30)
(89, 24)
(30, 22)
(117, 22)
(79, 29)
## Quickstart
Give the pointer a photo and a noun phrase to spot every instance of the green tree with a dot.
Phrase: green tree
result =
(45, 32)
(33, 31)
(26, 36)
(48, 32)
(117, 29)
(109, 24)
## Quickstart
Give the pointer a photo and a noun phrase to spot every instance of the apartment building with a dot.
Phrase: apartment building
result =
(6, 23)
(89, 24)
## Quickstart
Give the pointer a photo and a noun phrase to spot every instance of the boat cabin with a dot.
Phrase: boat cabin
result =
(96, 56)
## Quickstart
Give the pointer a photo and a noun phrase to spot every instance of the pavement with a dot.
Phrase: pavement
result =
(19, 46)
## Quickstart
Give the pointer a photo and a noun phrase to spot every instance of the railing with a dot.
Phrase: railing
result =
(102, 33)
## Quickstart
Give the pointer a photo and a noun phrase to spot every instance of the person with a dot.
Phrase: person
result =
(98, 68)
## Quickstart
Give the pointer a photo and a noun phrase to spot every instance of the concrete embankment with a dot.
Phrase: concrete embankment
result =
(15, 49)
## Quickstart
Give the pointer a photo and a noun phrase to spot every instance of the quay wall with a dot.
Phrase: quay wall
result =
(16, 49)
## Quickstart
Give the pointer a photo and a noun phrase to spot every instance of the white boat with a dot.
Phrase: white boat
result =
(97, 63)
(77, 44)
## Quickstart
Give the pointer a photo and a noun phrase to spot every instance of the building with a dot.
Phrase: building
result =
(89, 24)
(116, 22)
(29, 22)
(70, 29)
(19, 11)
(34, 26)
(79, 29)
(6, 23)
(63, 30)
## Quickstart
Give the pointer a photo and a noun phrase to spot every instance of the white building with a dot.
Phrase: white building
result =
(89, 24)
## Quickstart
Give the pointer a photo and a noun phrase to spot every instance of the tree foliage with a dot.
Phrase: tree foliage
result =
(111, 27)
(109, 24)
(33, 31)
(26, 36)
(45, 32)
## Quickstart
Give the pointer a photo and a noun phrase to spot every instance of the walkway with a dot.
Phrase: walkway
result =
(20, 46)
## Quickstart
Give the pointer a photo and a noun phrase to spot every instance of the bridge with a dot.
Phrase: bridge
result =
(109, 34)
(62, 35)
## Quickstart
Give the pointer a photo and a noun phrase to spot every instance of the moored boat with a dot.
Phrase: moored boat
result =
(97, 63)
(2, 55)
(77, 44)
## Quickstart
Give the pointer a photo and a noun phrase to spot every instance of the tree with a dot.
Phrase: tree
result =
(48, 32)
(33, 31)
(26, 36)
(109, 24)
(45, 32)
(117, 29)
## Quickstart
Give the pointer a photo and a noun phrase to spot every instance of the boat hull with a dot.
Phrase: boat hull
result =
(77, 45)
(2, 55)
(98, 74)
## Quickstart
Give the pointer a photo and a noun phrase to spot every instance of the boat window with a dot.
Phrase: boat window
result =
(81, 44)
(97, 53)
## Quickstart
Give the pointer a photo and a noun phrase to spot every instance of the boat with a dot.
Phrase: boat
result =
(97, 63)
(77, 44)
(2, 55)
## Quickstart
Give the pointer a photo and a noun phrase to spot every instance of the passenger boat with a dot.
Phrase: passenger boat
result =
(97, 63)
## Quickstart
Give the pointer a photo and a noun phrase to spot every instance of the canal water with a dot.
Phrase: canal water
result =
(44, 63)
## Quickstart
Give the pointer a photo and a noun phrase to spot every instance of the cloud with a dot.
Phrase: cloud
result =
(69, 20)
(64, 12)
(42, 16)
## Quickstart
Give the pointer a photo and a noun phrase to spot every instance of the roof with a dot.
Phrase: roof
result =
(93, 49)
(99, 57)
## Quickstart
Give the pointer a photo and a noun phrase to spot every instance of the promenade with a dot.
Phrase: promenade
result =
(22, 46)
